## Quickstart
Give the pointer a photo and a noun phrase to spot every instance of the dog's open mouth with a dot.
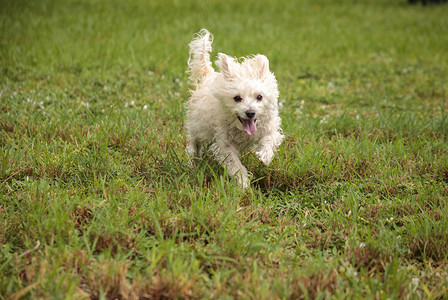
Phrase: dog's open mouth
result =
(248, 125)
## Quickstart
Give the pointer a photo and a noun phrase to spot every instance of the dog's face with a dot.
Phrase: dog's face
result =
(248, 91)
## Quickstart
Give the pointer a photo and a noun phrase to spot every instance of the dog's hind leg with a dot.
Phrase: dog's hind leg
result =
(194, 150)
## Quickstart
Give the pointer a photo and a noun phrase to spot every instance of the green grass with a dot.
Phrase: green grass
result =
(98, 200)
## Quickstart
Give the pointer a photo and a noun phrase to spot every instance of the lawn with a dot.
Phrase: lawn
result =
(98, 199)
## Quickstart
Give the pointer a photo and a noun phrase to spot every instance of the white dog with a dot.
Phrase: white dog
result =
(233, 110)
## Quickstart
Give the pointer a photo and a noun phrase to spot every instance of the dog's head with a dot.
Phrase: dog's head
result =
(247, 91)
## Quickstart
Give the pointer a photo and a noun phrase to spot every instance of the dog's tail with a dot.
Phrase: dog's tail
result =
(199, 64)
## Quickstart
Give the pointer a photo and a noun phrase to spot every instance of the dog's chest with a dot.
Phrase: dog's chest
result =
(242, 140)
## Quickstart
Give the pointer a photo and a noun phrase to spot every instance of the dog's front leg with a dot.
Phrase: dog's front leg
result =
(228, 156)
(268, 145)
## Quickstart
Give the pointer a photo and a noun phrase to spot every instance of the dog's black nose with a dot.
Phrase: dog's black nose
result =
(250, 113)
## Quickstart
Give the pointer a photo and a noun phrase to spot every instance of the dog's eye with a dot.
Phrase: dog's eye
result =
(237, 98)
(259, 97)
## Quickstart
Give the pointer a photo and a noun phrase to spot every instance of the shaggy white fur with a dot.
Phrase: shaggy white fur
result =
(233, 110)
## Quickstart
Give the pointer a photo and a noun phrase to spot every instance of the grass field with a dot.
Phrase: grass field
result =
(98, 199)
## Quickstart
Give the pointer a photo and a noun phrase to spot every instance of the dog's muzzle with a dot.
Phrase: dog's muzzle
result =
(249, 123)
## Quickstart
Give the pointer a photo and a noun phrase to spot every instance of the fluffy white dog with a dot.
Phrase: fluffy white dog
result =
(232, 110)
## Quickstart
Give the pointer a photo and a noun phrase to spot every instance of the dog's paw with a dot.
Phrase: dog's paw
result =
(243, 178)
(265, 156)
(194, 161)
(243, 181)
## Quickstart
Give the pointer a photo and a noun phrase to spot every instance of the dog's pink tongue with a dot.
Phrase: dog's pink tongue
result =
(249, 126)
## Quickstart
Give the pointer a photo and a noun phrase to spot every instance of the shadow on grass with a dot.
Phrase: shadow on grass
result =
(268, 180)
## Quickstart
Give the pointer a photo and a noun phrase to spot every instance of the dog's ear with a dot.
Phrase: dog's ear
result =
(225, 65)
(261, 65)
